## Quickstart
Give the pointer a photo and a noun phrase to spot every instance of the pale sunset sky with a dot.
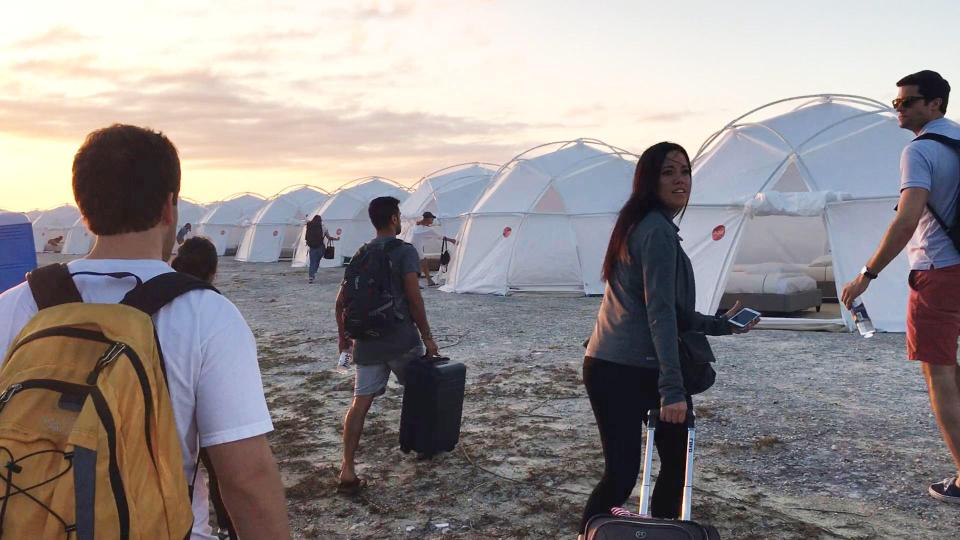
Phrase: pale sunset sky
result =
(259, 95)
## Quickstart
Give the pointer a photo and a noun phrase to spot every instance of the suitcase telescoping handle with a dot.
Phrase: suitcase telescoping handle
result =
(653, 419)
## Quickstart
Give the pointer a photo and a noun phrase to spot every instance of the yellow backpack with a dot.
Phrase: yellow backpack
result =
(88, 443)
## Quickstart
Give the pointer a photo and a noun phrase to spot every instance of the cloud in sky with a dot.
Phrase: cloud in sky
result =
(55, 36)
(224, 123)
(667, 116)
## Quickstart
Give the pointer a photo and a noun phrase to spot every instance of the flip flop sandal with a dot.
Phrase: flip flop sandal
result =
(351, 488)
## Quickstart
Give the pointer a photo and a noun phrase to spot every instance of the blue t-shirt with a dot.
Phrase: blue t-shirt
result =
(934, 167)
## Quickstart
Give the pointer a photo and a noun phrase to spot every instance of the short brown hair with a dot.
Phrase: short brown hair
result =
(122, 176)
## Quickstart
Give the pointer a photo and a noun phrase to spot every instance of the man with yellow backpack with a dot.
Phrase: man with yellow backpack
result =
(117, 371)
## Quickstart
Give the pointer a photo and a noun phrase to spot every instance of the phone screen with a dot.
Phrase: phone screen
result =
(743, 317)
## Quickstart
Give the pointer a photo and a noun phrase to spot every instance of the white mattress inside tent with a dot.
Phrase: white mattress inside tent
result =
(771, 283)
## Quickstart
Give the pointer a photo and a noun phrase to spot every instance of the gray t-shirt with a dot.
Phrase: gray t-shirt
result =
(934, 167)
(403, 336)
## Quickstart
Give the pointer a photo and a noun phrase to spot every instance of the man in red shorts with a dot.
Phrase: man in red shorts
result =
(929, 187)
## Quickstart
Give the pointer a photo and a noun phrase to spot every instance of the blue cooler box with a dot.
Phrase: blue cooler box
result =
(17, 256)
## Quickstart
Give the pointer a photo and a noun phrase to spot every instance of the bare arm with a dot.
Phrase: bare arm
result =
(344, 341)
(411, 289)
(251, 488)
(909, 209)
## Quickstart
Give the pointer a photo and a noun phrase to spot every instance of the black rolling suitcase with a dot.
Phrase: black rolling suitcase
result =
(432, 406)
(610, 527)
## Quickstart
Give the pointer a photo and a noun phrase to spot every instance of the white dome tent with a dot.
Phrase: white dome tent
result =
(79, 239)
(448, 194)
(544, 223)
(794, 193)
(273, 231)
(53, 223)
(226, 220)
(345, 215)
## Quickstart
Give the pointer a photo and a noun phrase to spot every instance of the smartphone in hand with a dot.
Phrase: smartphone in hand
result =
(744, 317)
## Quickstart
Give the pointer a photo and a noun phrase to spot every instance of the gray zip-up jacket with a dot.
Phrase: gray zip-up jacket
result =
(637, 322)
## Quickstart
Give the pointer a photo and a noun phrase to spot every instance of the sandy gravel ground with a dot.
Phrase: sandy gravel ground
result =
(805, 435)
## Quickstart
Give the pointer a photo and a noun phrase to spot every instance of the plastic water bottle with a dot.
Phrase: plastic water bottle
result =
(343, 363)
(864, 324)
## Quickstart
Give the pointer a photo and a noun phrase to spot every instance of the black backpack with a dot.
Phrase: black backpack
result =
(314, 236)
(953, 230)
(370, 308)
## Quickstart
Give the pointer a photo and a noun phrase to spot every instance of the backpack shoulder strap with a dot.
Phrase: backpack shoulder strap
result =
(942, 139)
(163, 289)
(953, 143)
(52, 285)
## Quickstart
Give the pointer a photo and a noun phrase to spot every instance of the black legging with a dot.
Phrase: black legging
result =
(621, 396)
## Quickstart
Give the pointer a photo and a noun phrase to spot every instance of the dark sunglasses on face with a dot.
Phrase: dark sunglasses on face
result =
(905, 101)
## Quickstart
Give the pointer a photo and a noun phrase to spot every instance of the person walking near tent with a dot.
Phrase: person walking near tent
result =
(183, 232)
(402, 335)
(632, 362)
(424, 233)
(929, 188)
(208, 351)
(315, 237)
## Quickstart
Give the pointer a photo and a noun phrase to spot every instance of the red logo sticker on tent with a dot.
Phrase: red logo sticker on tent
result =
(339, 232)
(275, 233)
(718, 232)
(507, 231)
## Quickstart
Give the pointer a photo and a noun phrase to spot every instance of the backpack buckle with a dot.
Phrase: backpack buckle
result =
(8, 393)
(112, 353)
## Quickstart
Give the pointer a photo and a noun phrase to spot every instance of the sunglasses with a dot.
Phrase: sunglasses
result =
(905, 101)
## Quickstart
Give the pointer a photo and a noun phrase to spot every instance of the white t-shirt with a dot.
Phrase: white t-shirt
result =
(210, 355)
(426, 239)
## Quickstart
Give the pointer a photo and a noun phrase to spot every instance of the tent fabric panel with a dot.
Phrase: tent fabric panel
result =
(353, 234)
(736, 169)
(784, 239)
(461, 198)
(866, 164)
(516, 190)
(79, 239)
(601, 187)
(544, 254)
(592, 237)
(484, 252)
(711, 259)
(856, 229)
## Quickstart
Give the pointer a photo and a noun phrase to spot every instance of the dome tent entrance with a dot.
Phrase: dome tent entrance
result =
(544, 223)
(345, 215)
(449, 194)
(807, 192)
(225, 221)
(274, 229)
(52, 224)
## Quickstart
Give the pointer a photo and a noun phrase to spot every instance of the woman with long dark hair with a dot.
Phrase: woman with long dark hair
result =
(632, 362)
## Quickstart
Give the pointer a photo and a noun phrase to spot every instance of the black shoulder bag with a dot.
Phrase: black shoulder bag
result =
(444, 253)
(696, 356)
